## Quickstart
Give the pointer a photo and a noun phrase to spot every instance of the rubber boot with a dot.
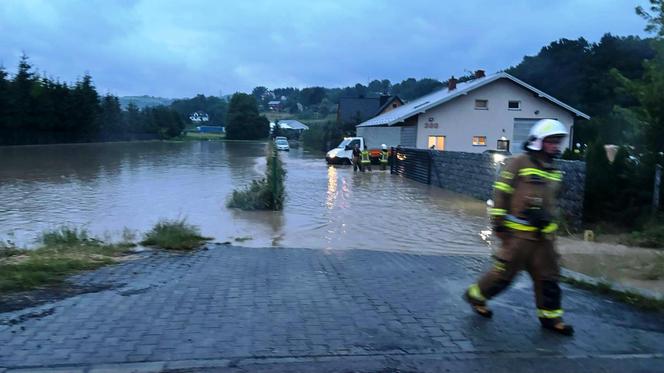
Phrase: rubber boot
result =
(478, 306)
(558, 326)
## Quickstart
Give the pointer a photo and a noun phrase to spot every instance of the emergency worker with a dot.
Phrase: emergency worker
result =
(524, 218)
(365, 161)
(384, 157)
(356, 157)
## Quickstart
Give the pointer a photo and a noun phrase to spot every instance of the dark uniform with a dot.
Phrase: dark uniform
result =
(356, 158)
(524, 216)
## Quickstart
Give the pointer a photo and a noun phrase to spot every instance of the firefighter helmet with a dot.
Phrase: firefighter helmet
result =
(545, 128)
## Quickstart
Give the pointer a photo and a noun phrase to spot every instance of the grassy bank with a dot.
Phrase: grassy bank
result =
(63, 252)
(174, 235)
(267, 193)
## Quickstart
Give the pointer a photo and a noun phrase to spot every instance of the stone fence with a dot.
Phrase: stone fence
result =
(473, 174)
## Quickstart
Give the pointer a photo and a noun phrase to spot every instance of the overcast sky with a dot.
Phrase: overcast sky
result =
(174, 48)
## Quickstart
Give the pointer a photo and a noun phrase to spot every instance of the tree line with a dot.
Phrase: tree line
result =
(40, 110)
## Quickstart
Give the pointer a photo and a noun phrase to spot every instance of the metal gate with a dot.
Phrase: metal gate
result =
(412, 163)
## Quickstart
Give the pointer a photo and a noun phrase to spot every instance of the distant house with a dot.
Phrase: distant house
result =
(275, 105)
(354, 110)
(492, 112)
(292, 124)
(199, 117)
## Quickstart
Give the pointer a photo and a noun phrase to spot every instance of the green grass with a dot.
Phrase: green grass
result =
(651, 236)
(634, 299)
(267, 193)
(205, 136)
(64, 252)
(174, 235)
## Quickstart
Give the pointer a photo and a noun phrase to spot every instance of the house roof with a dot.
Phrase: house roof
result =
(426, 102)
(357, 109)
(292, 124)
(274, 102)
(388, 103)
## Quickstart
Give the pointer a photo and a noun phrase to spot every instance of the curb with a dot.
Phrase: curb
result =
(614, 285)
(280, 364)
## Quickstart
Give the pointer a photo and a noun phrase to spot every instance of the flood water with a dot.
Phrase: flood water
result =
(106, 188)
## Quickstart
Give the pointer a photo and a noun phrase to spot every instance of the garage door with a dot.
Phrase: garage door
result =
(520, 134)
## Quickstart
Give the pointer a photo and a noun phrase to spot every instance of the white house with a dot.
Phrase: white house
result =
(489, 112)
(199, 116)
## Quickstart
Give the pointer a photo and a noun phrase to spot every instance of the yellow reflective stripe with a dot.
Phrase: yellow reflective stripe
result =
(500, 267)
(497, 212)
(519, 226)
(549, 314)
(553, 175)
(552, 227)
(475, 293)
(507, 175)
(503, 187)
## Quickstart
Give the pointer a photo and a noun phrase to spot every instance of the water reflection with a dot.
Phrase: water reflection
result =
(106, 187)
(331, 186)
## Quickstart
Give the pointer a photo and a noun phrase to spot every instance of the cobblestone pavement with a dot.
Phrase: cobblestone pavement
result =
(241, 309)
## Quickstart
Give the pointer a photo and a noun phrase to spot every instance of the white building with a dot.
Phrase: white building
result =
(489, 112)
(199, 117)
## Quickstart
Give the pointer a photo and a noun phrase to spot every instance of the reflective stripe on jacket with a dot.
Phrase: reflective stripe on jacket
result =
(526, 183)
(365, 157)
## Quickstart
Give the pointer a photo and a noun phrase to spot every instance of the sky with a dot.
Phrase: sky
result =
(182, 48)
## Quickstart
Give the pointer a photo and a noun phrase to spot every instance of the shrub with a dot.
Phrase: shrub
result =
(174, 235)
(267, 193)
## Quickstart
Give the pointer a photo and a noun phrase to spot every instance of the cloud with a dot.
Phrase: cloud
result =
(178, 49)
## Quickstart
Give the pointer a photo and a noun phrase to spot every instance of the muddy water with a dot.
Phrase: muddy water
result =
(108, 187)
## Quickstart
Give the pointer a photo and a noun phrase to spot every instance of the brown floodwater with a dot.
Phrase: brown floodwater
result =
(113, 187)
(106, 188)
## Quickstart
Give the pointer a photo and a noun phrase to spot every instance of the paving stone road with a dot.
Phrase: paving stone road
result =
(241, 309)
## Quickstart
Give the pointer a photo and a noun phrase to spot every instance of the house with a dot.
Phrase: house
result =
(492, 112)
(274, 105)
(292, 126)
(355, 110)
(199, 116)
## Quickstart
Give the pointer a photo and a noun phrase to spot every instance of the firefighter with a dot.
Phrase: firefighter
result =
(384, 157)
(523, 218)
(365, 161)
(356, 158)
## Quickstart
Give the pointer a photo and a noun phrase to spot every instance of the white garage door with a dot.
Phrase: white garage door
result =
(521, 130)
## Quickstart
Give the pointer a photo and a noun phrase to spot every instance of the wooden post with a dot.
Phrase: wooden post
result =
(656, 188)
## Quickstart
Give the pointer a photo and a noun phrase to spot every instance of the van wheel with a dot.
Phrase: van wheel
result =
(347, 162)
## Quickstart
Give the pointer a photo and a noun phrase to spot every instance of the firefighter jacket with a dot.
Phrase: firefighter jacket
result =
(525, 197)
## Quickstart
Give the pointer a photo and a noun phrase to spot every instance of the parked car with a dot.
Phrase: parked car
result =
(282, 144)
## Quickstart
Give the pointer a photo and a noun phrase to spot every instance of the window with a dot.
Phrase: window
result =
(514, 105)
(479, 140)
(503, 144)
(436, 142)
(394, 105)
(481, 104)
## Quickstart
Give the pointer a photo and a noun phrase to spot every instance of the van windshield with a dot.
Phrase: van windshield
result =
(343, 144)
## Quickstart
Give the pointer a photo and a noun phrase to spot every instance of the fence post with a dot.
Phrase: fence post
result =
(430, 156)
(656, 188)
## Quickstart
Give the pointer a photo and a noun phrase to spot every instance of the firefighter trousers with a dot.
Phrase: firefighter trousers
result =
(540, 259)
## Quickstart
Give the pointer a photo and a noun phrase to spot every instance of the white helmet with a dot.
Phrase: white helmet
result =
(383, 146)
(544, 128)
